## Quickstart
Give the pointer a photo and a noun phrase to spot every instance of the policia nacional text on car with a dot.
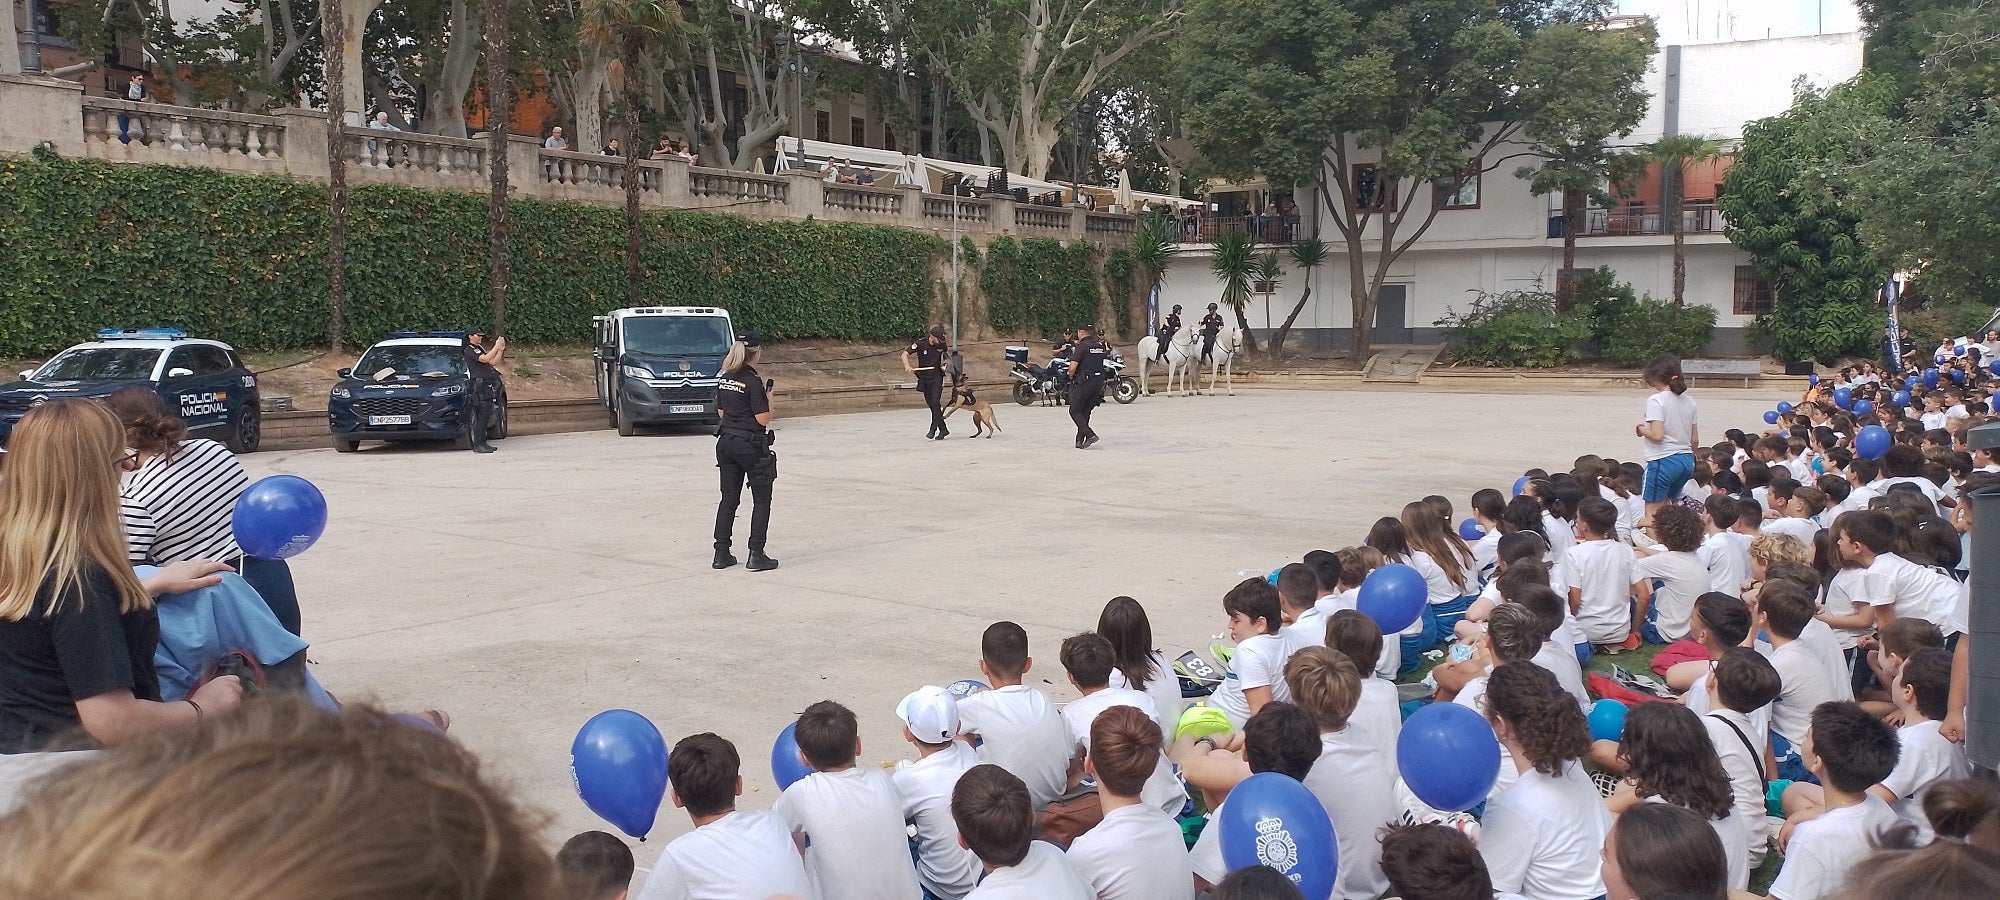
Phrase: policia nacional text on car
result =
(743, 452)
(1086, 385)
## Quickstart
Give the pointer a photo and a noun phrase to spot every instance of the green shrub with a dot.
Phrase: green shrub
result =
(1629, 330)
(1039, 285)
(1516, 328)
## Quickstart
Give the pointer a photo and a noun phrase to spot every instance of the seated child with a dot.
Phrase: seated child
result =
(1355, 564)
(1667, 757)
(1298, 595)
(1434, 862)
(1137, 852)
(1542, 836)
(849, 818)
(1255, 673)
(1378, 715)
(1810, 669)
(1018, 728)
(1849, 751)
(1924, 757)
(930, 723)
(1280, 738)
(1351, 779)
(729, 855)
(1896, 643)
(595, 866)
(1663, 615)
(1743, 685)
(1600, 573)
(1725, 552)
(996, 820)
(1088, 659)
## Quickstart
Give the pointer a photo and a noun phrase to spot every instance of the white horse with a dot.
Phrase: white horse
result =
(1181, 353)
(1228, 346)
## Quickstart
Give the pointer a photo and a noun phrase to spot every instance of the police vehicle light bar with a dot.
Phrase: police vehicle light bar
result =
(425, 334)
(141, 334)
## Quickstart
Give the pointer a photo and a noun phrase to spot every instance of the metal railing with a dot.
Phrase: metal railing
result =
(1640, 220)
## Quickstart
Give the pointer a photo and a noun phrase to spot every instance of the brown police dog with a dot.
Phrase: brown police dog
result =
(982, 411)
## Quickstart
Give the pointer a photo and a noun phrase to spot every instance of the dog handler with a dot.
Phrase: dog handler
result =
(743, 452)
(925, 359)
(1086, 382)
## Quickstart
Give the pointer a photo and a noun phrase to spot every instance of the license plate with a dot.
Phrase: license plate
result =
(687, 408)
(388, 420)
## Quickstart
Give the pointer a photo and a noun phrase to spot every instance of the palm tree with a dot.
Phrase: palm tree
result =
(1675, 154)
(335, 41)
(1154, 246)
(1235, 264)
(499, 106)
(623, 29)
(1307, 255)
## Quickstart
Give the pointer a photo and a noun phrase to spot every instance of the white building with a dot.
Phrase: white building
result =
(1497, 236)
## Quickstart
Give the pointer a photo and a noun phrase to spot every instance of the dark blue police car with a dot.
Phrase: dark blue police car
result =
(412, 387)
(204, 381)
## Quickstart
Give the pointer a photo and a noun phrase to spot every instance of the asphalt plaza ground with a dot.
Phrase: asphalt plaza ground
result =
(567, 574)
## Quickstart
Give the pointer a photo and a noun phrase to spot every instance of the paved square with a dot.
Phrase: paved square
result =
(568, 574)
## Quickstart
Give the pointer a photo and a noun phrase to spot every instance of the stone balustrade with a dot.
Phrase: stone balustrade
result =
(294, 142)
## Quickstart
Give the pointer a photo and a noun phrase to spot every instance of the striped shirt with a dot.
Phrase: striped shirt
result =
(180, 510)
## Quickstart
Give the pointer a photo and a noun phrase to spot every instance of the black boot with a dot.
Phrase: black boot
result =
(943, 432)
(759, 562)
(932, 434)
(723, 559)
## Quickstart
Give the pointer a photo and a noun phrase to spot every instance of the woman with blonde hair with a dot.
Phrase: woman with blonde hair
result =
(77, 626)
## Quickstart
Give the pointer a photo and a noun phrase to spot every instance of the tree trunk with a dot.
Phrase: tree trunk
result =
(1243, 327)
(1573, 213)
(588, 99)
(336, 174)
(1363, 302)
(1036, 144)
(499, 115)
(1285, 330)
(445, 113)
(633, 50)
(1676, 190)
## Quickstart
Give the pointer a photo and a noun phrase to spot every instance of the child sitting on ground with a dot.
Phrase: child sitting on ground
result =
(1924, 757)
(1351, 779)
(595, 866)
(1724, 551)
(1433, 862)
(1896, 643)
(1599, 571)
(729, 853)
(930, 723)
(1018, 728)
(1666, 756)
(1541, 837)
(1737, 694)
(1809, 669)
(1087, 658)
(1377, 715)
(996, 820)
(1280, 738)
(1298, 594)
(1137, 852)
(849, 818)
(1848, 751)
(1661, 616)
(1355, 564)
(1255, 672)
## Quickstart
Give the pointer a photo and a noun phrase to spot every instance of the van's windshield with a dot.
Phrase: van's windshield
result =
(678, 335)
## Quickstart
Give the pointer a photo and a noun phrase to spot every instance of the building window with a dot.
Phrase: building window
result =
(857, 131)
(1372, 192)
(1459, 190)
(1753, 292)
(823, 126)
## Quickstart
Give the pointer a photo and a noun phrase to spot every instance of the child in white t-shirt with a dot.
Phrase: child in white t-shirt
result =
(996, 820)
(1355, 564)
(849, 818)
(1809, 666)
(1019, 729)
(1849, 751)
(1600, 574)
(1724, 550)
(1435, 861)
(1378, 714)
(1298, 594)
(1137, 852)
(1087, 658)
(1743, 685)
(930, 723)
(1542, 836)
(729, 855)
(1663, 613)
(1350, 778)
(1255, 675)
(1924, 757)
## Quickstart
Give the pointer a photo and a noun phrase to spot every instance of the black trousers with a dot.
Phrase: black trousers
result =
(932, 385)
(479, 412)
(1165, 340)
(744, 459)
(1084, 396)
(273, 580)
(1207, 345)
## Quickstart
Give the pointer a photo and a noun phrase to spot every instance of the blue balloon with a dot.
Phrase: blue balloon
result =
(1784, 406)
(1995, 367)
(1864, 407)
(278, 517)
(1902, 398)
(786, 764)
(1470, 530)
(1872, 441)
(1958, 349)
(1272, 579)
(1812, 379)
(1957, 377)
(1449, 756)
(1930, 378)
(1770, 417)
(1272, 820)
(619, 764)
(1607, 720)
(1520, 485)
(964, 688)
(1843, 397)
(1393, 596)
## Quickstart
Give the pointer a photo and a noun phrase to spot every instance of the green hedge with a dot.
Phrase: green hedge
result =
(1039, 285)
(86, 245)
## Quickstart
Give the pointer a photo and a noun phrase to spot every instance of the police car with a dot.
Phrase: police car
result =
(204, 381)
(659, 365)
(412, 387)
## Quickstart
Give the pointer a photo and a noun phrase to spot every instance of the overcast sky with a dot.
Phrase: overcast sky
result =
(1687, 21)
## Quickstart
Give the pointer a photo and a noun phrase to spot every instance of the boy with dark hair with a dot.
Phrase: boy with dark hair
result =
(1088, 658)
(930, 723)
(996, 821)
(1298, 596)
(1434, 862)
(1553, 655)
(849, 818)
(1724, 550)
(1137, 852)
(1019, 728)
(1255, 673)
(729, 855)
(595, 866)
(1599, 570)
(1868, 538)
(1378, 715)
(1810, 668)
(1350, 778)
(1743, 684)
(1849, 751)
(1749, 517)
(1280, 738)
(1924, 757)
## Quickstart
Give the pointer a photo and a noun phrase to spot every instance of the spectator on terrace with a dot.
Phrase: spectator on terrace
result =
(556, 141)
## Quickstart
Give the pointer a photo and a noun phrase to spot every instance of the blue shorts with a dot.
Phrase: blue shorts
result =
(1665, 477)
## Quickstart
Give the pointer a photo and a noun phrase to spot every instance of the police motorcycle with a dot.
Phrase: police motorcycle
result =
(1049, 385)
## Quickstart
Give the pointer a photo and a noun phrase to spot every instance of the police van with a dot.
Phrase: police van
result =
(659, 365)
(204, 381)
(415, 386)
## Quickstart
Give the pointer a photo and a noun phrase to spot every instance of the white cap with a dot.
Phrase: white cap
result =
(931, 714)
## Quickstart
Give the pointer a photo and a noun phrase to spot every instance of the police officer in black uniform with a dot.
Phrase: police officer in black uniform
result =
(925, 359)
(1211, 325)
(485, 387)
(1167, 331)
(1086, 386)
(743, 452)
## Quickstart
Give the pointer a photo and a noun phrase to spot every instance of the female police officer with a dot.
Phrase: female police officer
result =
(743, 452)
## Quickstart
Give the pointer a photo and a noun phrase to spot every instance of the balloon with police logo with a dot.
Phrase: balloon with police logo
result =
(278, 517)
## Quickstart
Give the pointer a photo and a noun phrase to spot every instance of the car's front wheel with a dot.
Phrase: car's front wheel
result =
(248, 432)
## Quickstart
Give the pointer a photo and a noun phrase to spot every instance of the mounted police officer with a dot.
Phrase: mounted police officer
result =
(925, 359)
(743, 452)
(1211, 325)
(1086, 378)
(1168, 329)
(480, 363)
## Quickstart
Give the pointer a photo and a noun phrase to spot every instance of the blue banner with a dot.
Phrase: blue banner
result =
(1153, 311)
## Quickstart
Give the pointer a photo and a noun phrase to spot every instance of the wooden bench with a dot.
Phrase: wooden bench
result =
(1745, 369)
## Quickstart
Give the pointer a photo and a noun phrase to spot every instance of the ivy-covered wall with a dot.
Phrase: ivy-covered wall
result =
(87, 245)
